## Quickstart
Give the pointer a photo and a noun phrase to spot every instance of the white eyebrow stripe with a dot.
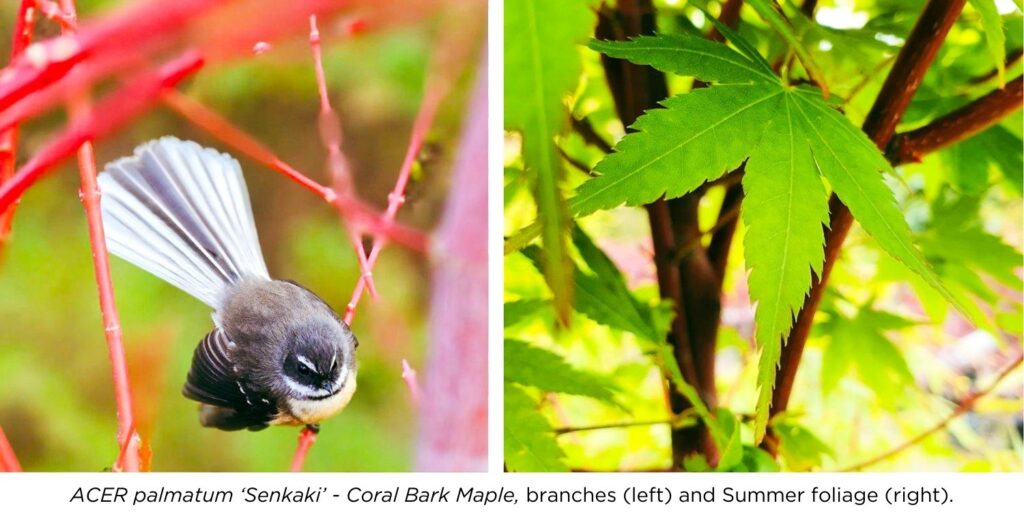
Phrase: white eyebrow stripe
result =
(307, 362)
(334, 359)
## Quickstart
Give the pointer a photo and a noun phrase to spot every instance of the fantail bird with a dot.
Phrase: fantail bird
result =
(279, 355)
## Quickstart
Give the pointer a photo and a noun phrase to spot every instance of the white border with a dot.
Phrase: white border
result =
(495, 221)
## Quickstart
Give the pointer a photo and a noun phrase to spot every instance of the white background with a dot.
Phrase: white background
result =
(975, 492)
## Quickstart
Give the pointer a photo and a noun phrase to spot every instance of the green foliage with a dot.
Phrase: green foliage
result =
(537, 35)
(601, 293)
(799, 136)
(859, 342)
(528, 365)
(781, 25)
(869, 374)
(799, 448)
(529, 441)
(995, 40)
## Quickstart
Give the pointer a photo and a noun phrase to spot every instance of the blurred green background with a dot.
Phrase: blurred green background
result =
(56, 393)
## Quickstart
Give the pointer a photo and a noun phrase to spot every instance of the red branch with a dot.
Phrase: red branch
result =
(44, 63)
(356, 212)
(329, 126)
(409, 376)
(899, 87)
(80, 108)
(306, 439)
(22, 37)
(331, 135)
(8, 460)
(958, 124)
(436, 89)
(214, 124)
(117, 108)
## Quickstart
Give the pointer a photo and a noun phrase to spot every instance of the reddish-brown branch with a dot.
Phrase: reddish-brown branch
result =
(729, 16)
(958, 124)
(590, 136)
(80, 108)
(636, 89)
(966, 404)
(8, 460)
(899, 87)
(22, 37)
(1011, 59)
(721, 240)
(117, 108)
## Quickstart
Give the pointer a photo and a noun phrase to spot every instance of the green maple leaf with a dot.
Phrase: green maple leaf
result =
(530, 443)
(860, 342)
(789, 137)
(529, 365)
(995, 39)
(538, 34)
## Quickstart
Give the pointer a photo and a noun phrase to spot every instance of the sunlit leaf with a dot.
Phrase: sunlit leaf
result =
(530, 443)
(791, 138)
(995, 40)
(529, 365)
(540, 40)
(799, 448)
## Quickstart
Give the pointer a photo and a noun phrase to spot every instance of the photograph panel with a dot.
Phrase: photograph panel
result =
(231, 237)
(762, 236)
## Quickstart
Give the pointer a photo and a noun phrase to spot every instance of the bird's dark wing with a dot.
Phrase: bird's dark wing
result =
(215, 380)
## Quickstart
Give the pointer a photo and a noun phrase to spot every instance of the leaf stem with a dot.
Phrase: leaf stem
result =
(624, 424)
(586, 130)
(965, 405)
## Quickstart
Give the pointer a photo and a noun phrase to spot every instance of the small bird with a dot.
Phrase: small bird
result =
(278, 355)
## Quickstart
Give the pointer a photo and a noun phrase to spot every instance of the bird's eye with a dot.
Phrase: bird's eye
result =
(304, 370)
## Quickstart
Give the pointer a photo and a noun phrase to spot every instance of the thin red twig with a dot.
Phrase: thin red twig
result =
(8, 460)
(306, 439)
(436, 89)
(22, 37)
(118, 108)
(409, 376)
(330, 135)
(355, 211)
(80, 107)
(214, 124)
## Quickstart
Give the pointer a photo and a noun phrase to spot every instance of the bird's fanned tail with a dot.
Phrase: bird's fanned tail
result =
(182, 212)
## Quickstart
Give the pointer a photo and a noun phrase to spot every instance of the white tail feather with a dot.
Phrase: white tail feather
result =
(182, 212)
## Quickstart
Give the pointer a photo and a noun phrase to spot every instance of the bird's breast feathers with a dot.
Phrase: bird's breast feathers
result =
(299, 411)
